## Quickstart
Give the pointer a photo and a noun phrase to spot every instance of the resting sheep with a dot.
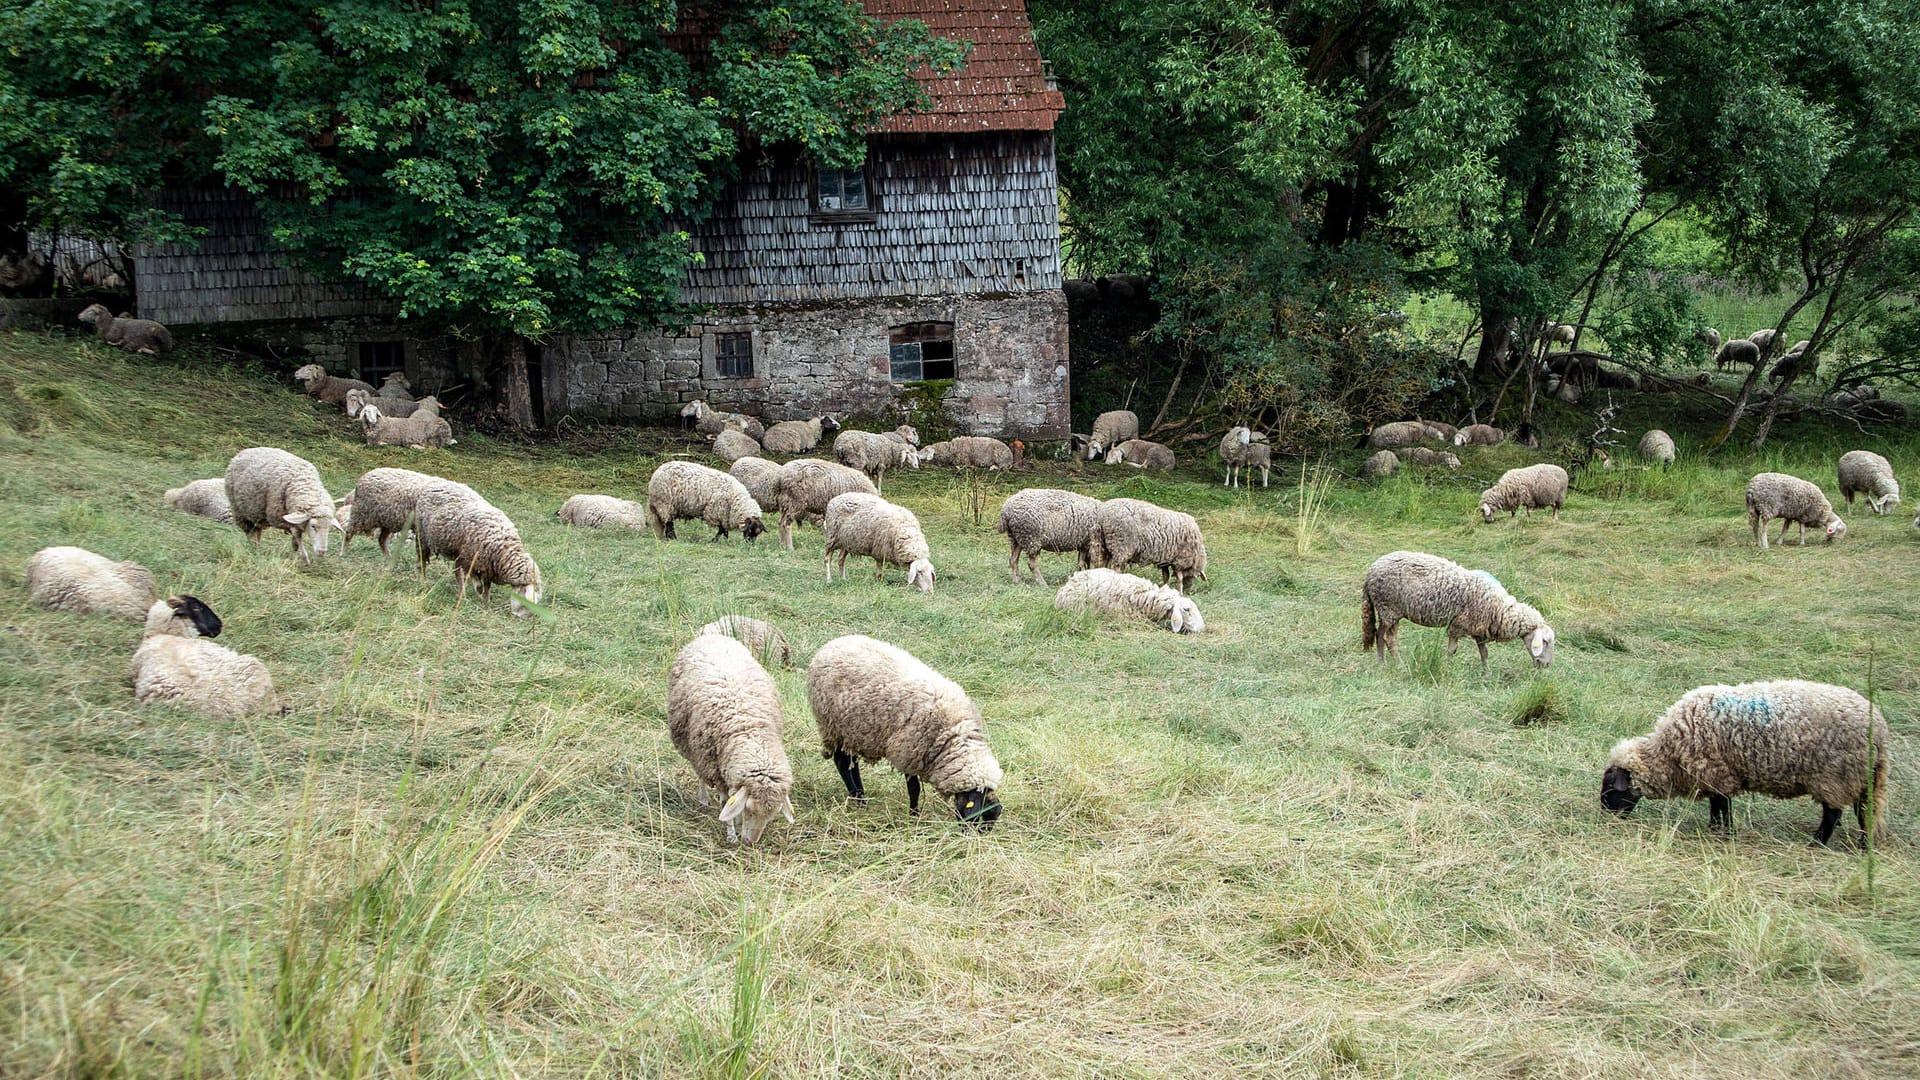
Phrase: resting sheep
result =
(1113, 593)
(1479, 435)
(1535, 486)
(1399, 433)
(723, 714)
(204, 498)
(874, 454)
(874, 701)
(969, 452)
(1869, 474)
(1243, 448)
(710, 421)
(763, 639)
(1047, 519)
(75, 579)
(733, 444)
(1421, 455)
(396, 387)
(1129, 531)
(602, 511)
(1794, 501)
(1141, 454)
(807, 485)
(358, 399)
(143, 336)
(1785, 738)
(1656, 446)
(269, 488)
(418, 431)
(1380, 464)
(453, 521)
(328, 388)
(860, 524)
(797, 436)
(382, 504)
(1431, 591)
(682, 489)
(175, 663)
(1111, 429)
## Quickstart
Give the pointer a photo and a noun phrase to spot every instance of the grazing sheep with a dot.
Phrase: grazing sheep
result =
(328, 388)
(1111, 429)
(418, 431)
(1141, 454)
(798, 436)
(861, 524)
(1792, 366)
(602, 511)
(710, 421)
(175, 663)
(761, 638)
(682, 489)
(1113, 593)
(1871, 475)
(1541, 486)
(143, 336)
(1785, 738)
(1421, 455)
(1431, 591)
(1399, 433)
(1479, 435)
(1381, 464)
(1773, 495)
(733, 444)
(874, 701)
(807, 485)
(723, 713)
(1736, 352)
(382, 504)
(874, 454)
(269, 488)
(905, 433)
(969, 451)
(358, 399)
(762, 478)
(205, 498)
(1047, 519)
(75, 579)
(1129, 531)
(453, 521)
(1656, 445)
(1762, 338)
(1243, 448)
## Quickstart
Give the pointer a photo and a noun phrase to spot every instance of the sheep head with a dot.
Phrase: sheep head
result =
(979, 808)
(531, 591)
(310, 374)
(1540, 645)
(752, 528)
(1184, 616)
(1835, 528)
(1887, 502)
(920, 575)
(310, 530)
(357, 400)
(752, 806)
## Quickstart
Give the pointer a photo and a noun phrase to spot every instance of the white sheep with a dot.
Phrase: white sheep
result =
(860, 524)
(1112, 428)
(1535, 486)
(1400, 433)
(1380, 464)
(381, 504)
(732, 444)
(874, 454)
(357, 399)
(763, 639)
(683, 489)
(75, 579)
(1762, 338)
(1440, 432)
(762, 478)
(1431, 591)
(874, 701)
(969, 452)
(1794, 501)
(1047, 519)
(203, 498)
(723, 714)
(269, 488)
(1243, 448)
(807, 485)
(1869, 474)
(418, 431)
(1424, 455)
(175, 663)
(1113, 593)
(1141, 454)
(1656, 446)
(453, 521)
(1785, 738)
(396, 387)
(710, 421)
(797, 436)
(143, 336)
(1479, 435)
(602, 511)
(328, 388)
(1736, 352)
(1129, 531)
(905, 433)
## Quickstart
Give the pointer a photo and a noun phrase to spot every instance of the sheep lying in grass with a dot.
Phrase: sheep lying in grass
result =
(763, 639)
(1432, 591)
(1113, 593)
(1869, 474)
(382, 504)
(874, 701)
(860, 524)
(453, 521)
(723, 714)
(710, 421)
(874, 454)
(969, 452)
(807, 485)
(682, 489)
(328, 388)
(732, 444)
(75, 579)
(143, 336)
(1439, 432)
(798, 436)
(1047, 519)
(1399, 433)
(1130, 531)
(1479, 435)
(175, 663)
(202, 498)
(269, 488)
(1141, 454)
(1794, 501)
(1380, 465)
(418, 431)
(357, 400)
(1421, 455)
(602, 511)
(1656, 446)
(1112, 428)
(1243, 448)
(1785, 738)
(396, 387)
(1535, 486)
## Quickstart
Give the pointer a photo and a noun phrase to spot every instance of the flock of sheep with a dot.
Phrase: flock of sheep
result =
(872, 700)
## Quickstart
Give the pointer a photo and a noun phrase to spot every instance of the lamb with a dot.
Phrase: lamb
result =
(177, 665)
(1793, 500)
(1736, 352)
(1399, 433)
(1381, 464)
(75, 579)
(382, 504)
(453, 521)
(1243, 448)
(1047, 519)
(1657, 446)
(797, 436)
(1141, 454)
(1421, 455)
(761, 638)
(1113, 593)
(733, 444)
(1111, 429)
(762, 478)
(969, 452)
(723, 713)
(417, 431)
(1479, 435)
(600, 511)
(861, 524)
(1534, 486)
(358, 399)
(206, 498)
(142, 336)
(682, 489)
(807, 485)
(711, 421)
(872, 700)
(1431, 591)
(328, 388)
(1784, 738)
(270, 488)
(874, 454)
(1871, 475)
(1129, 531)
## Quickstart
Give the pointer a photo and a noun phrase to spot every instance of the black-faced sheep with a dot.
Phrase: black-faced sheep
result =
(682, 489)
(177, 665)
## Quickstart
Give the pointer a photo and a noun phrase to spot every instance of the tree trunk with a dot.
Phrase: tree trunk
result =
(1496, 342)
(516, 395)
(13, 222)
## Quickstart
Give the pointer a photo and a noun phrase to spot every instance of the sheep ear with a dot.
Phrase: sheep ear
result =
(786, 807)
(736, 805)
(1178, 620)
(295, 519)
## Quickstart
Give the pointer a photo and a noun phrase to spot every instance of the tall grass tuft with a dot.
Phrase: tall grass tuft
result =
(1312, 504)
(749, 992)
(1542, 701)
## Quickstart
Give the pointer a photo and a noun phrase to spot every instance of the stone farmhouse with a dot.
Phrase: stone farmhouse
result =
(933, 272)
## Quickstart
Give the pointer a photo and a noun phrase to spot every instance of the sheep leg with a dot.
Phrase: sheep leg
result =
(1759, 529)
(1719, 814)
(829, 567)
(786, 532)
(849, 767)
(879, 569)
(1860, 815)
(1013, 560)
(913, 796)
(1829, 817)
(1033, 566)
(1483, 655)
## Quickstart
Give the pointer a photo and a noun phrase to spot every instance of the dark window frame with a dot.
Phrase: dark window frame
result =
(722, 358)
(375, 359)
(909, 346)
(864, 216)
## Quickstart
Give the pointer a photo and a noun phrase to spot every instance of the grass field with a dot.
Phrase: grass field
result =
(467, 847)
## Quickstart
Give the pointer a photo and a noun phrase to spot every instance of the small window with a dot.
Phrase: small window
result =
(841, 190)
(921, 351)
(379, 359)
(733, 356)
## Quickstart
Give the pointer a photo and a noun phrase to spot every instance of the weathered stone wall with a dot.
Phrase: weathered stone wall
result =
(1010, 361)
